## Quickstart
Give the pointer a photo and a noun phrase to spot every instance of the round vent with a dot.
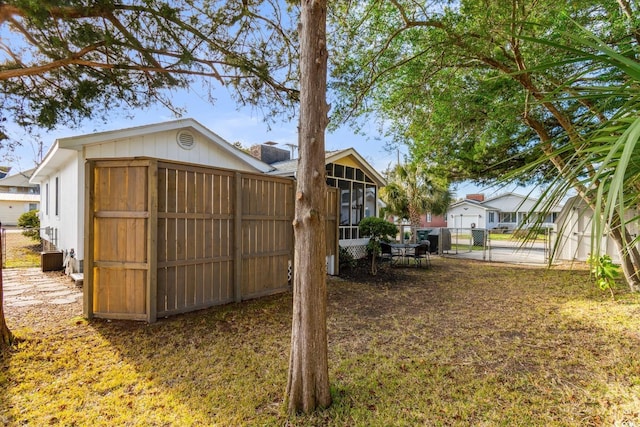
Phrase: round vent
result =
(185, 140)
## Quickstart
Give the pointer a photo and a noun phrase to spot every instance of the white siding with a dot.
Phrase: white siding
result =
(10, 211)
(163, 145)
(67, 219)
(574, 231)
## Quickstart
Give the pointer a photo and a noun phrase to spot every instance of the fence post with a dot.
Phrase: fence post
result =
(152, 241)
(237, 239)
(89, 197)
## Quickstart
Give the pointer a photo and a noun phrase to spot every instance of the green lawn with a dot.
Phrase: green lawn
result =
(465, 343)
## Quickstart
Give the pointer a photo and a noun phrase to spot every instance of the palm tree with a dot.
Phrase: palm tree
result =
(412, 192)
(605, 168)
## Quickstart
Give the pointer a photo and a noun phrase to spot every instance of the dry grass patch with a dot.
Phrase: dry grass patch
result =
(464, 343)
(21, 251)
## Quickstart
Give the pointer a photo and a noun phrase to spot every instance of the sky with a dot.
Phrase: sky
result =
(245, 125)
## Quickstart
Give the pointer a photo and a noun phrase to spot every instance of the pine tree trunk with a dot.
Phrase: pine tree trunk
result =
(308, 383)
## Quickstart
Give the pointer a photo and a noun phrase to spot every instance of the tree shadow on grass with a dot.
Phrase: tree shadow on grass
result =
(463, 343)
(215, 366)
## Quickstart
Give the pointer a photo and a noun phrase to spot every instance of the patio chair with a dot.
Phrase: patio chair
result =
(421, 252)
(386, 252)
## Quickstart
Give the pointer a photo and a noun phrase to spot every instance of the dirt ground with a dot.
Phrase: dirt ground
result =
(34, 299)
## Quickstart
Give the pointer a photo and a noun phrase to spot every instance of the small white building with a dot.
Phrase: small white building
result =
(17, 196)
(61, 173)
(507, 211)
(572, 242)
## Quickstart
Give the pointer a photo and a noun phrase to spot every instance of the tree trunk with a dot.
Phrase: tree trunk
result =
(628, 255)
(414, 219)
(6, 338)
(308, 383)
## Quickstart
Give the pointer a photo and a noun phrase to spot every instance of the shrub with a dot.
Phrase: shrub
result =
(345, 258)
(377, 229)
(30, 222)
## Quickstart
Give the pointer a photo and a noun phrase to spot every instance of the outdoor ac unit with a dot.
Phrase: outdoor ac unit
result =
(51, 261)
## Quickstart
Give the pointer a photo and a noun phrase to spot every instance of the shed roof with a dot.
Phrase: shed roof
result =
(63, 149)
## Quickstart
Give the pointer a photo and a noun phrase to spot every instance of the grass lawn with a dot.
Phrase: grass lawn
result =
(21, 251)
(465, 343)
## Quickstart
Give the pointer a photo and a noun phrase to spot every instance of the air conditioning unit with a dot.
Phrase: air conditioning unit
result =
(51, 261)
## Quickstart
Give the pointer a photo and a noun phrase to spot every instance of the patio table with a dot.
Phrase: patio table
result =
(405, 251)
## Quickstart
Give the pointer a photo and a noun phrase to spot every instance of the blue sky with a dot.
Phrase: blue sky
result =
(224, 118)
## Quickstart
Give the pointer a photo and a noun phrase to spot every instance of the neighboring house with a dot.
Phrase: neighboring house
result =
(572, 241)
(359, 185)
(507, 211)
(61, 173)
(17, 196)
(429, 220)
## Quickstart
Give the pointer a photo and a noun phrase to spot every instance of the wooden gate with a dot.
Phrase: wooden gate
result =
(121, 250)
(164, 238)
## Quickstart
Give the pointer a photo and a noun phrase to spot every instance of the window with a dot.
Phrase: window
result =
(357, 205)
(345, 201)
(429, 218)
(46, 198)
(492, 217)
(357, 197)
(370, 201)
(33, 206)
(57, 197)
(508, 217)
(349, 172)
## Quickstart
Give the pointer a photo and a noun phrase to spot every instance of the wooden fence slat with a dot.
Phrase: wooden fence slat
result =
(171, 237)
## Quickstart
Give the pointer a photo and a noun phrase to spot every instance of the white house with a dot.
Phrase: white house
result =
(61, 173)
(572, 242)
(17, 196)
(507, 211)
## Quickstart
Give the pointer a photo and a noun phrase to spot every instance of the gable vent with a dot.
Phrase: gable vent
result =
(185, 140)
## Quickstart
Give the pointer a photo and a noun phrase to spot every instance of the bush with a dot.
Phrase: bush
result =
(377, 229)
(30, 222)
(345, 259)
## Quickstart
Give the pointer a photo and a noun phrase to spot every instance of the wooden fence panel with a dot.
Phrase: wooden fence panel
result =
(267, 234)
(166, 238)
(117, 240)
(194, 230)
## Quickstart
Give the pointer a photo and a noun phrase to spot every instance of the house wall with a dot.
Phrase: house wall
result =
(436, 221)
(511, 203)
(67, 219)
(162, 145)
(10, 210)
